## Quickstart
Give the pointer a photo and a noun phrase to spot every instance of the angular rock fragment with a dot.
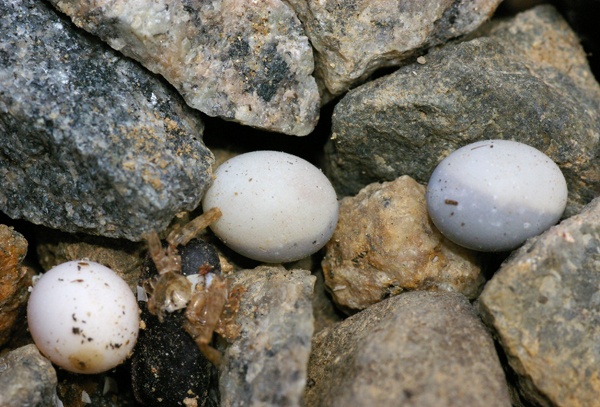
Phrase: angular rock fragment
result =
(544, 306)
(385, 244)
(416, 349)
(266, 365)
(27, 379)
(352, 39)
(246, 61)
(513, 83)
(14, 280)
(91, 142)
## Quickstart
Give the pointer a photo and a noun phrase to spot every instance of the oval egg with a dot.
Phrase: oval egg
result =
(492, 195)
(276, 207)
(83, 317)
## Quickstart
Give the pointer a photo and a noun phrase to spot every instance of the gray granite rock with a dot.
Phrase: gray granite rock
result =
(266, 365)
(353, 38)
(246, 61)
(416, 349)
(90, 141)
(385, 244)
(512, 83)
(544, 306)
(27, 379)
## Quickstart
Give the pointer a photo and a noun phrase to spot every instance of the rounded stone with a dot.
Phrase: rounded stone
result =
(83, 317)
(276, 207)
(492, 195)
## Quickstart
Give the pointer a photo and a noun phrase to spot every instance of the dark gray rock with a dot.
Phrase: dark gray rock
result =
(512, 83)
(27, 379)
(544, 306)
(245, 61)
(266, 364)
(416, 349)
(90, 141)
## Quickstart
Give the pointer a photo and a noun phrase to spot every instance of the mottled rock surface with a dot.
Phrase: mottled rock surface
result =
(91, 142)
(416, 349)
(266, 365)
(14, 279)
(385, 244)
(544, 306)
(353, 38)
(246, 61)
(27, 379)
(513, 83)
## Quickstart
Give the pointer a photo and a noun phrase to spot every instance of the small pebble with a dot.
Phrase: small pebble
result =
(83, 317)
(276, 207)
(492, 195)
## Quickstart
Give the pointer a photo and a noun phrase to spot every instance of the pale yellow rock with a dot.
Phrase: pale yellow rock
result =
(385, 244)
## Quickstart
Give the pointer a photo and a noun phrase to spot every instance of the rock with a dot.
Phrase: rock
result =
(27, 379)
(120, 255)
(249, 62)
(385, 244)
(544, 306)
(14, 280)
(324, 311)
(416, 349)
(91, 142)
(511, 84)
(354, 38)
(266, 365)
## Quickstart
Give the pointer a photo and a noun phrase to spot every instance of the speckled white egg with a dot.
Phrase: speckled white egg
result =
(276, 207)
(83, 317)
(492, 195)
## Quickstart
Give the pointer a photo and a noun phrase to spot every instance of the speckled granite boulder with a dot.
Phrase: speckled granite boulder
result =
(246, 61)
(90, 141)
(511, 83)
(266, 365)
(544, 306)
(27, 379)
(416, 349)
(385, 244)
(354, 38)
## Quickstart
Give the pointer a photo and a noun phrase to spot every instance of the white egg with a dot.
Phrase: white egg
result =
(83, 317)
(276, 207)
(492, 195)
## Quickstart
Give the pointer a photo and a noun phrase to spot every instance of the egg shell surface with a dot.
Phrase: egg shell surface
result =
(492, 195)
(83, 317)
(276, 207)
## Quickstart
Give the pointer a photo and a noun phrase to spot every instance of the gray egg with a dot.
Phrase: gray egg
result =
(492, 195)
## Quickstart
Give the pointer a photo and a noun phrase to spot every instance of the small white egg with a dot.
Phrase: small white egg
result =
(276, 207)
(492, 195)
(83, 317)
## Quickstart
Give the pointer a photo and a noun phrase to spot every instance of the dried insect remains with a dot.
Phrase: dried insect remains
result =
(210, 302)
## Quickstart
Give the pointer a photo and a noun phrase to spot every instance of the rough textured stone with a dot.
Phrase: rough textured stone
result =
(14, 280)
(544, 305)
(385, 244)
(353, 38)
(244, 61)
(122, 256)
(266, 365)
(27, 379)
(512, 84)
(91, 141)
(416, 349)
